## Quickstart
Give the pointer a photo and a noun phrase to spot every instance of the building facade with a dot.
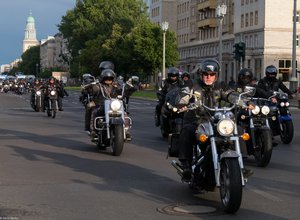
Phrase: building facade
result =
(265, 26)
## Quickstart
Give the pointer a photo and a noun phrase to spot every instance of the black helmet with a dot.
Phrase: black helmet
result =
(87, 79)
(173, 71)
(245, 77)
(185, 74)
(209, 65)
(271, 71)
(106, 65)
(107, 74)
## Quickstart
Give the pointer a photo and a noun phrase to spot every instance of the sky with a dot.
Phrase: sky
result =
(13, 17)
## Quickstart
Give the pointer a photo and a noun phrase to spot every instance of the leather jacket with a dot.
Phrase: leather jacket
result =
(270, 85)
(211, 96)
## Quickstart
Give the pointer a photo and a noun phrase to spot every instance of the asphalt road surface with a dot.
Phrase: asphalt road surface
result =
(49, 169)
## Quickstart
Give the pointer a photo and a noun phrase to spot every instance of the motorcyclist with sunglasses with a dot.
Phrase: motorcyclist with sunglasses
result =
(212, 95)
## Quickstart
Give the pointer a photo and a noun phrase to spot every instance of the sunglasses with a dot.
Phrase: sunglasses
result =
(209, 73)
(108, 78)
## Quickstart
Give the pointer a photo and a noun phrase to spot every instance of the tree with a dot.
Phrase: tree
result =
(30, 58)
(119, 31)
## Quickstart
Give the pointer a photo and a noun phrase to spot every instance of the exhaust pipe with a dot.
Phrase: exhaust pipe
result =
(177, 167)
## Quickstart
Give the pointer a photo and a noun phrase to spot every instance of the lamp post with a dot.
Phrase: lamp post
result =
(164, 27)
(293, 79)
(37, 70)
(220, 13)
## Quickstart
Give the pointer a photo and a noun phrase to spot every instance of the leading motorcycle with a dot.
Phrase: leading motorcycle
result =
(217, 160)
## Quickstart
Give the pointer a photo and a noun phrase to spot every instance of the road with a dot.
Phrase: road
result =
(50, 170)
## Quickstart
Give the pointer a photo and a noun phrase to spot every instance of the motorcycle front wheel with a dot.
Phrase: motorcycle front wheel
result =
(231, 185)
(286, 131)
(263, 150)
(117, 139)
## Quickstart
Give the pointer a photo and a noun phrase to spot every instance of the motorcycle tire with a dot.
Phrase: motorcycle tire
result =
(264, 148)
(286, 131)
(231, 185)
(117, 139)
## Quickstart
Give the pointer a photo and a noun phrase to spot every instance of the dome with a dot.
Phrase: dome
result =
(30, 19)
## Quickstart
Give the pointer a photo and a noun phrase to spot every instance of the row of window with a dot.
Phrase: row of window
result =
(247, 1)
(249, 19)
(155, 12)
(183, 23)
(183, 8)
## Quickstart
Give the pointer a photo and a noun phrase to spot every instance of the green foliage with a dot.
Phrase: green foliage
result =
(119, 31)
(30, 59)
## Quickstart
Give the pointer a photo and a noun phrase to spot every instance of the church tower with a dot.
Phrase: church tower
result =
(30, 34)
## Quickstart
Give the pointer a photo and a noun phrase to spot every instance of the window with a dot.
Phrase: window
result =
(247, 20)
(251, 19)
(256, 18)
(242, 2)
(242, 21)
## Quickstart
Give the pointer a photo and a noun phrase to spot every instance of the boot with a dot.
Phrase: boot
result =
(187, 171)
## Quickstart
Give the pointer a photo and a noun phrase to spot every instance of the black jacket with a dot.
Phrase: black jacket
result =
(272, 85)
(211, 96)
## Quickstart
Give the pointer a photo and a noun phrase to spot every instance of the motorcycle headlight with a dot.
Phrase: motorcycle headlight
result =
(115, 105)
(52, 92)
(282, 104)
(265, 110)
(38, 92)
(225, 127)
(287, 104)
(256, 110)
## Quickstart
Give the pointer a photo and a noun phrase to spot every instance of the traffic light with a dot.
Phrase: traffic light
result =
(239, 51)
(236, 52)
(242, 50)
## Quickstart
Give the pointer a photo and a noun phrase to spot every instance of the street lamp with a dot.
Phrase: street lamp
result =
(37, 70)
(220, 13)
(164, 27)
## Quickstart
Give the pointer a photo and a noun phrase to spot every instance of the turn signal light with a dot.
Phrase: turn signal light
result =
(245, 136)
(203, 138)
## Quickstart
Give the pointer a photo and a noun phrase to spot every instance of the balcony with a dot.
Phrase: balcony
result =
(209, 4)
(207, 23)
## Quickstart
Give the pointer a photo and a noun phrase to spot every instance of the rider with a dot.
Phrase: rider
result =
(50, 86)
(270, 83)
(61, 94)
(89, 88)
(171, 82)
(108, 88)
(186, 78)
(211, 95)
(36, 86)
(246, 78)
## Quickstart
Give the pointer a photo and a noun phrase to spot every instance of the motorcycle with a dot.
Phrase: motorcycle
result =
(38, 100)
(111, 128)
(281, 120)
(255, 122)
(170, 119)
(51, 104)
(217, 160)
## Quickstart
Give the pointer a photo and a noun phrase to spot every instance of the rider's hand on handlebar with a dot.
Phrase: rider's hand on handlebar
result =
(274, 100)
(250, 105)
